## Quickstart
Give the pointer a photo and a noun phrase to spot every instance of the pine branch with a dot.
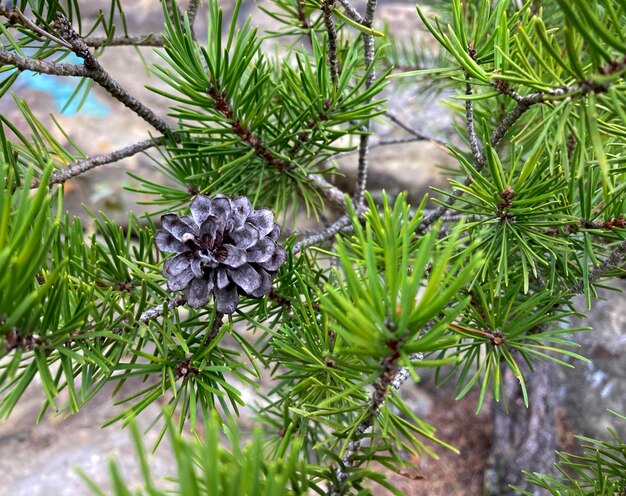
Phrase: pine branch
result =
(457, 218)
(174, 12)
(385, 142)
(215, 329)
(409, 139)
(329, 22)
(578, 89)
(40, 66)
(368, 49)
(87, 164)
(222, 105)
(511, 118)
(477, 153)
(304, 136)
(14, 339)
(343, 225)
(331, 193)
(351, 12)
(368, 39)
(325, 234)
(391, 376)
(92, 69)
(616, 259)
(15, 16)
(154, 312)
(192, 11)
(306, 25)
(147, 40)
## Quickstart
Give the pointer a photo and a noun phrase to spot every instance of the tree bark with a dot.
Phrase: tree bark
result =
(524, 438)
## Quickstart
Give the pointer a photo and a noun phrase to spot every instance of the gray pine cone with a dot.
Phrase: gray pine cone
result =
(224, 247)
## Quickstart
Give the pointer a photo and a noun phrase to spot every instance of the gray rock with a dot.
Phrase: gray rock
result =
(589, 390)
(38, 459)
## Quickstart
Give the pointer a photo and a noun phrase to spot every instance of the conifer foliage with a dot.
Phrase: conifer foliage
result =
(479, 282)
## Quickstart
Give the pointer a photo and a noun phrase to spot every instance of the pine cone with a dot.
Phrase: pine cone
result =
(224, 247)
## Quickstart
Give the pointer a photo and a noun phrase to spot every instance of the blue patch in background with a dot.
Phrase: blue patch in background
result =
(61, 88)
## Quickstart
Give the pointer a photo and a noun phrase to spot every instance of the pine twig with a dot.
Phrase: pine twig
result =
(368, 48)
(321, 236)
(617, 258)
(477, 153)
(261, 150)
(154, 312)
(351, 12)
(174, 12)
(41, 66)
(329, 22)
(215, 329)
(391, 376)
(331, 193)
(511, 118)
(384, 142)
(146, 40)
(91, 68)
(82, 166)
(368, 40)
(192, 11)
(578, 89)
(306, 25)
(15, 16)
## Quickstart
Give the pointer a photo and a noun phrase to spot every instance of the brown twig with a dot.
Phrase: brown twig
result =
(15, 339)
(329, 22)
(192, 11)
(91, 68)
(306, 25)
(351, 12)
(41, 66)
(215, 329)
(577, 89)
(477, 153)
(148, 39)
(331, 193)
(222, 105)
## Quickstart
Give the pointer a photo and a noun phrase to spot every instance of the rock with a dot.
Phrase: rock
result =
(42, 458)
(589, 390)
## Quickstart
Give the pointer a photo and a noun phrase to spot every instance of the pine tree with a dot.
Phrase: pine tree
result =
(478, 288)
